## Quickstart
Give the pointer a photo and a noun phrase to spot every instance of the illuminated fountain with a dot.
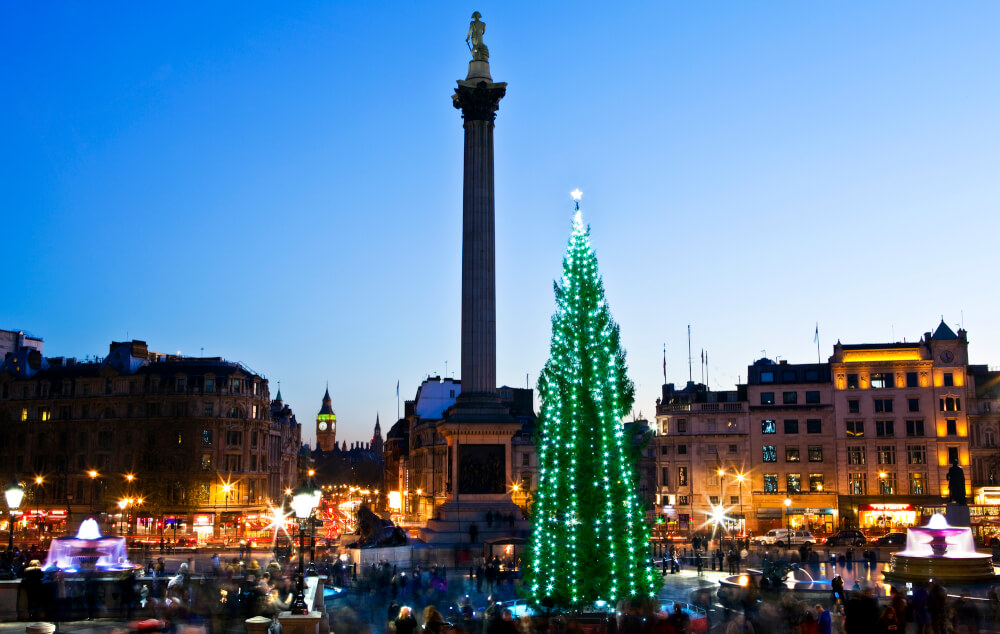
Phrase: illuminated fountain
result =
(89, 550)
(941, 552)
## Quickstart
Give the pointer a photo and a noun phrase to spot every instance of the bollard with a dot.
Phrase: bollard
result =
(257, 625)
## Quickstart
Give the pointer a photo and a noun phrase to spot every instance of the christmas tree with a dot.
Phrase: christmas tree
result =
(590, 539)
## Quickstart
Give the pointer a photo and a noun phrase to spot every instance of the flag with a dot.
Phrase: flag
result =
(703, 355)
(664, 363)
(397, 388)
(816, 336)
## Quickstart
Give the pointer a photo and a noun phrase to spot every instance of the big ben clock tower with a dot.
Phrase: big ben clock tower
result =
(326, 424)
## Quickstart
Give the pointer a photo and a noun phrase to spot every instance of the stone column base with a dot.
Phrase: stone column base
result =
(299, 623)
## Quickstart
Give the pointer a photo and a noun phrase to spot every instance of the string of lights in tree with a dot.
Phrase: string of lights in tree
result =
(590, 540)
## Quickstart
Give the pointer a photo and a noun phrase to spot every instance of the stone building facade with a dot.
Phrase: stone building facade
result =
(197, 439)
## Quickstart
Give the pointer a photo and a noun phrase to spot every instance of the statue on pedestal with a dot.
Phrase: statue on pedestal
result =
(956, 484)
(475, 39)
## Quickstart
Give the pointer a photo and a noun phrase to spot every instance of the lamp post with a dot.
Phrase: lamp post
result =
(305, 499)
(226, 488)
(722, 494)
(743, 519)
(14, 495)
(122, 503)
(788, 523)
(93, 490)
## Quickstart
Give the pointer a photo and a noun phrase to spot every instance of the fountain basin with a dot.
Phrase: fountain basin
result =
(940, 552)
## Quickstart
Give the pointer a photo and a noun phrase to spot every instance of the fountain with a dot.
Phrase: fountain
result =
(88, 550)
(940, 552)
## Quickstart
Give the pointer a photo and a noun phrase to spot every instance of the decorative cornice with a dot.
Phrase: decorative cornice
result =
(478, 102)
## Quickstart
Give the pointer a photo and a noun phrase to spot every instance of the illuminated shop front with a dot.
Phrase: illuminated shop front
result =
(886, 517)
(818, 521)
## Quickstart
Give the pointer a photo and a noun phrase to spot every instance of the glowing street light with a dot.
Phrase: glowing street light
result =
(304, 503)
(14, 495)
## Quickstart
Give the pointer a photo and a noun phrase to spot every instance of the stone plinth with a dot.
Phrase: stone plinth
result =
(957, 514)
(299, 623)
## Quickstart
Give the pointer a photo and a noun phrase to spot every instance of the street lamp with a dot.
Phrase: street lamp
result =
(14, 495)
(743, 519)
(305, 499)
(93, 490)
(226, 488)
(788, 523)
(122, 503)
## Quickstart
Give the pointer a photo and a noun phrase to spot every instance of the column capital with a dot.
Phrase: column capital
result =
(480, 100)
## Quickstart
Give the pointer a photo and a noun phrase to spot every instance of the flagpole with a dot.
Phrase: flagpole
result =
(397, 399)
(818, 359)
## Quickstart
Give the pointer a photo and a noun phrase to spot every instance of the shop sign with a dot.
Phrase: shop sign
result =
(886, 507)
(57, 514)
(203, 520)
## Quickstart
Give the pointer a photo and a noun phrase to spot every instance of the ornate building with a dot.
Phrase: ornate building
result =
(326, 425)
(193, 438)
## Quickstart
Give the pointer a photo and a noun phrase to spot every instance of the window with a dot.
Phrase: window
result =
(791, 426)
(887, 483)
(883, 405)
(235, 385)
(793, 482)
(525, 460)
(733, 449)
(525, 477)
(208, 410)
(206, 462)
(814, 426)
(914, 428)
(883, 428)
(181, 383)
(789, 398)
(788, 376)
(768, 426)
(951, 404)
(665, 450)
(234, 463)
(66, 412)
(812, 375)
(234, 412)
(682, 449)
(815, 482)
(911, 379)
(770, 454)
(989, 439)
(812, 397)
(881, 380)
(682, 425)
(886, 454)
(791, 454)
(853, 405)
(815, 453)
(234, 438)
(710, 426)
(713, 500)
(916, 454)
(951, 426)
(767, 398)
(857, 483)
(913, 404)
(104, 440)
(711, 449)
(952, 455)
(734, 499)
(682, 476)
(665, 476)
(770, 483)
(209, 385)
(206, 437)
(44, 414)
(852, 381)
(253, 462)
(253, 439)
(856, 428)
(918, 484)
(152, 409)
(682, 499)
(767, 377)
(949, 379)
(856, 454)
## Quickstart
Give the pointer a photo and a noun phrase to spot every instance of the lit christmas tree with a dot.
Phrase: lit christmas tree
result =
(590, 540)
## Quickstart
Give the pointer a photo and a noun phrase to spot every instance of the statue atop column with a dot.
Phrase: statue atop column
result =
(475, 39)
(956, 484)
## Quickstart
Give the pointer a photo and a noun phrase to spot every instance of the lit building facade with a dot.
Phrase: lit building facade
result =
(793, 445)
(698, 434)
(193, 438)
(902, 421)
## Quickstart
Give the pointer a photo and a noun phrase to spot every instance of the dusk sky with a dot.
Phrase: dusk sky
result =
(281, 183)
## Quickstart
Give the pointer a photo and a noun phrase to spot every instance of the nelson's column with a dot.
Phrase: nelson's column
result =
(478, 428)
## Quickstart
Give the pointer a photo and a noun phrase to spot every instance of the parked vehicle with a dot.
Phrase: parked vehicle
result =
(847, 538)
(783, 536)
(890, 539)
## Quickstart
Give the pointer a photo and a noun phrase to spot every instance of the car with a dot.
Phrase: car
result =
(890, 539)
(847, 538)
(783, 536)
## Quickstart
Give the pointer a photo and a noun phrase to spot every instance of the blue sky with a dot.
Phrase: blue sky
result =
(281, 185)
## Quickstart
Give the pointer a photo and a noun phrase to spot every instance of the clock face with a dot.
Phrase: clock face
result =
(947, 356)
(322, 426)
